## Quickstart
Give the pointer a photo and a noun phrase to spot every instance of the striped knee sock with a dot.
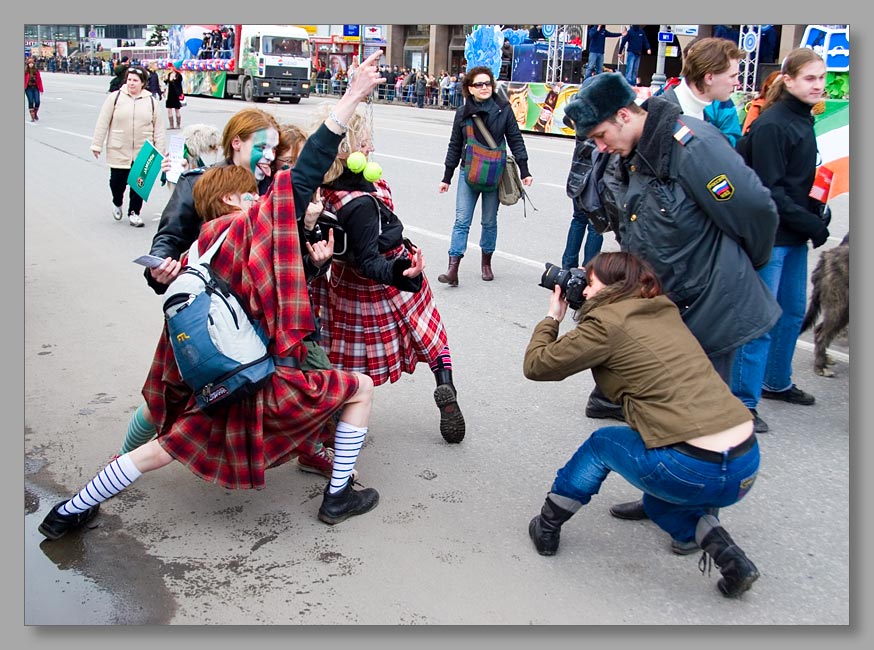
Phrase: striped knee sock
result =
(139, 432)
(347, 445)
(111, 480)
(443, 361)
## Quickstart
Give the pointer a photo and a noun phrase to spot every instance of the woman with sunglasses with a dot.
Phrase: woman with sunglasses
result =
(478, 89)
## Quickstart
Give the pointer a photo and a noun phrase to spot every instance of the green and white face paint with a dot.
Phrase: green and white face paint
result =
(258, 152)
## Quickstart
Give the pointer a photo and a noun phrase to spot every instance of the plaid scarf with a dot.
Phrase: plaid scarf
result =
(336, 199)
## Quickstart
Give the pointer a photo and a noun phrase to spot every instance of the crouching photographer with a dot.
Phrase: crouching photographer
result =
(689, 444)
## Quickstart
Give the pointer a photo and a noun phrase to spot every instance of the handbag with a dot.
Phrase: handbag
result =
(510, 188)
(484, 165)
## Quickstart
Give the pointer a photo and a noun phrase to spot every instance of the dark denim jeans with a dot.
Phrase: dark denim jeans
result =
(678, 489)
(580, 228)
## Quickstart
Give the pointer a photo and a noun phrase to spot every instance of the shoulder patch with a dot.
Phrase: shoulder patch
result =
(721, 188)
(682, 133)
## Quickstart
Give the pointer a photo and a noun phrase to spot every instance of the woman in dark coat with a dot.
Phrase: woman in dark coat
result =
(174, 97)
(478, 88)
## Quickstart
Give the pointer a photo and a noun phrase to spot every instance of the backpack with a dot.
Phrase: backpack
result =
(587, 188)
(114, 84)
(221, 354)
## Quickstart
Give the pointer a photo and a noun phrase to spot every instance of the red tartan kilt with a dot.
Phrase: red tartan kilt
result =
(233, 448)
(374, 328)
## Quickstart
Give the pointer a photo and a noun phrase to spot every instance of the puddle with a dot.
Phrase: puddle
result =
(99, 576)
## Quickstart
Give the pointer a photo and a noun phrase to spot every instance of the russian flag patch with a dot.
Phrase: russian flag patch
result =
(721, 188)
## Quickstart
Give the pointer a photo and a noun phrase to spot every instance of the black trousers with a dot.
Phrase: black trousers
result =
(118, 184)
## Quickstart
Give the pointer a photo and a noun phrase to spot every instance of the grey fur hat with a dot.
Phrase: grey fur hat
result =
(598, 101)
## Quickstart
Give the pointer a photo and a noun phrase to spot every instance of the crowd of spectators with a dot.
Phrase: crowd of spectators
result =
(442, 90)
(74, 64)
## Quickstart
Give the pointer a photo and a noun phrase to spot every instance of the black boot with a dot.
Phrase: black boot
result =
(452, 426)
(451, 275)
(632, 510)
(738, 571)
(346, 503)
(545, 528)
(600, 407)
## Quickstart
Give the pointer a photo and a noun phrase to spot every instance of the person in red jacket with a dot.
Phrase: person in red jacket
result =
(32, 88)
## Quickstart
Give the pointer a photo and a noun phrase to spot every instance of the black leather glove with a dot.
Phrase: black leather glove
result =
(820, 238)
(825, 214)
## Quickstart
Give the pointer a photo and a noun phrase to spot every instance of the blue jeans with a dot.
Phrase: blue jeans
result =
(678, 489)
(632, 63)
(596, 63)
(465, 202)
(32, 95)
(580, 228)
(767, 361)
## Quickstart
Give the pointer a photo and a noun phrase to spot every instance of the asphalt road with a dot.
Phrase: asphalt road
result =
(448, 543)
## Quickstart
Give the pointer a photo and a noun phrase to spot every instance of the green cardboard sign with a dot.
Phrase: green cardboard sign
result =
(145, 170)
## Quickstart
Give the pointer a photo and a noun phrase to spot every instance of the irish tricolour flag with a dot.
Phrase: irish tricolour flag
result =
(833, 139)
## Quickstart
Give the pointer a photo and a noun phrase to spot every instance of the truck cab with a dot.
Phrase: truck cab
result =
(272, 61)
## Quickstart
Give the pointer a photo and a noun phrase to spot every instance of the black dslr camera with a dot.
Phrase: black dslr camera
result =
(571, 281)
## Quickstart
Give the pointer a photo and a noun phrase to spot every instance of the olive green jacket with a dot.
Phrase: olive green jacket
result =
(643, 357)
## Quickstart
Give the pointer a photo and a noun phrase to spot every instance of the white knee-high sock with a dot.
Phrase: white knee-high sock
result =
(347, 445)
(111, 480)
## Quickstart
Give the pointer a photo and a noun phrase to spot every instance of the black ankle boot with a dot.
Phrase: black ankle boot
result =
(545, 528)
(346, 503)
(452, 426)
(738, 571)
(600, 407)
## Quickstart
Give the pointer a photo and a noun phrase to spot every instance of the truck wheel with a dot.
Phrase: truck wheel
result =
(248, 94)
(294, 100)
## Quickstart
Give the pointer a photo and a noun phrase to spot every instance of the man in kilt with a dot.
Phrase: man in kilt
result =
(262, 263)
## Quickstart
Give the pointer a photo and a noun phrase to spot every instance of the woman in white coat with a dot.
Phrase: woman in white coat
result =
(128, 118)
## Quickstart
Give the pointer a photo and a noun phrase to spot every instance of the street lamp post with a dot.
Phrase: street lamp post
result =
(659, 78)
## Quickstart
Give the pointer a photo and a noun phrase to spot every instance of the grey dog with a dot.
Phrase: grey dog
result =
(831, 298)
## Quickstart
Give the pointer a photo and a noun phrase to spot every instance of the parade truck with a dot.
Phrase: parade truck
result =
(264, 61)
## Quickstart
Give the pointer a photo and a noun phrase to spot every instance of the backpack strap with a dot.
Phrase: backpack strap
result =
(195, 258)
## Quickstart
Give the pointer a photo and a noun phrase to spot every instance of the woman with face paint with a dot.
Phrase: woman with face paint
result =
(377, 311)
(260, 259)
(249, 139)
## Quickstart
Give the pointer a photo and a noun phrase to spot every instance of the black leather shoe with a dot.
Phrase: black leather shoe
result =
(633, 511)
(759, 425)
(793, 395)
(346, 503)
(601, 408)
(56, 525)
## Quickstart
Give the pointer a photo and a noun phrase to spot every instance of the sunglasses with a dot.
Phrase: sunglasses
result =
(481, 84)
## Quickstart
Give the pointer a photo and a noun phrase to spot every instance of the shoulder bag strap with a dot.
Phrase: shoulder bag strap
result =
(486, 134)
(112, 115)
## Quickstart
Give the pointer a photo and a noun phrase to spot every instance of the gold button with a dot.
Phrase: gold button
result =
(634, 217)
(633, 168)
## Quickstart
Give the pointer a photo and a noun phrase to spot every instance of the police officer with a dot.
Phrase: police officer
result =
(690, 207)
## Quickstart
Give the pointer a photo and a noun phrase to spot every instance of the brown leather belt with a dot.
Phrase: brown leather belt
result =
(715, 456)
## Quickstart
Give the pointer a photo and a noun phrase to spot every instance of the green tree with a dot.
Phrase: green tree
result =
(158, 35)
